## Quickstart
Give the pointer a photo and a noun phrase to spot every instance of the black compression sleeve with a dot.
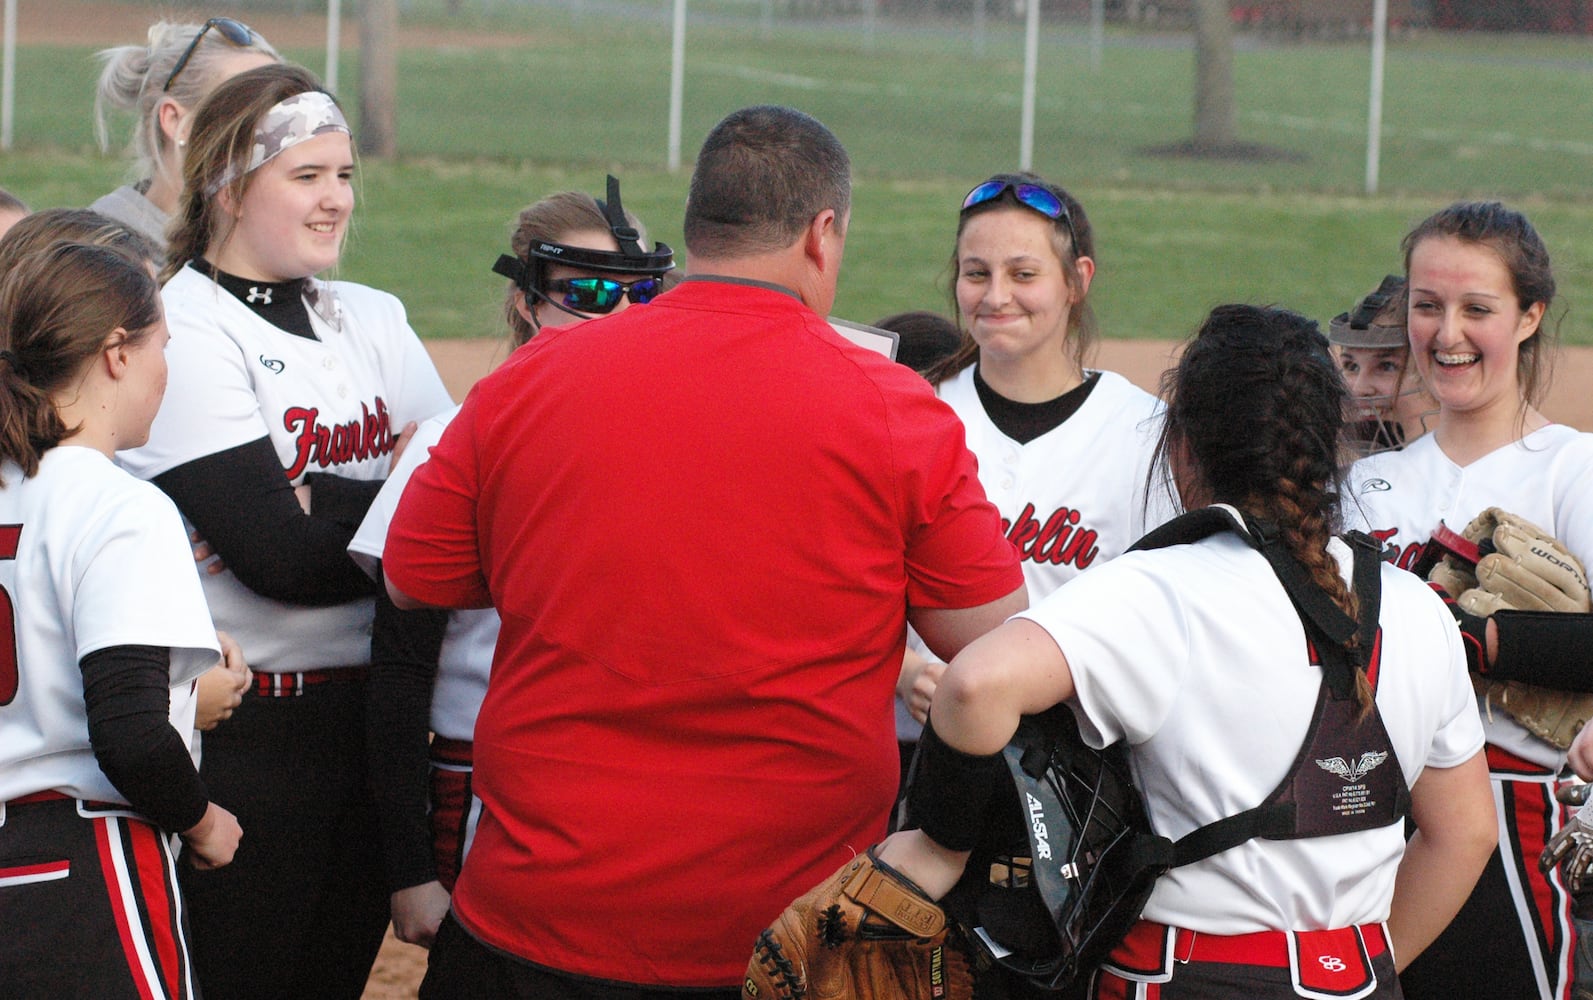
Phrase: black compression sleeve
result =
(127, 691)
(949, 791)
(405, 646)
(341, 501)
(1547, 648)
(243, 505)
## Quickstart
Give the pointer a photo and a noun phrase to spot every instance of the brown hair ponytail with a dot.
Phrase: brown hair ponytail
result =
(58, 306)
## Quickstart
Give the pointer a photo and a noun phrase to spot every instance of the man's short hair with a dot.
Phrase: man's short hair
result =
(762, 176)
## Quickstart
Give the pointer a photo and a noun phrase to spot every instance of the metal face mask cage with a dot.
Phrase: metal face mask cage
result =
(1067, 861)
(631, 258)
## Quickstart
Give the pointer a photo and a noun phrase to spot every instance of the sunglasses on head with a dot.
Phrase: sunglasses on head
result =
(601, 295)
(236, 32)
(1031, 196)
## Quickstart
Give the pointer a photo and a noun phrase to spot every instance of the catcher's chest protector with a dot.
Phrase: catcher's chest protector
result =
(1346, 777)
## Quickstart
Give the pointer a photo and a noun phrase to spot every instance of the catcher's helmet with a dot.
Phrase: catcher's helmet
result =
(1067, 858)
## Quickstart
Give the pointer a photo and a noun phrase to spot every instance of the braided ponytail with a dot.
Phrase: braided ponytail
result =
(1256, 406)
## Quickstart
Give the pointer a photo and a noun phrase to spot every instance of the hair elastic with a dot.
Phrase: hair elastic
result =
(10, 358)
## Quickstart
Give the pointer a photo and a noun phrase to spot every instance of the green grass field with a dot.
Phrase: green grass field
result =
(484, 130)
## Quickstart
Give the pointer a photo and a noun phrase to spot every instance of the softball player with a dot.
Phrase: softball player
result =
(1063, 449)
(104, 631)
(1479, 284)
(1176, 649)
(441, 660)
(289, 398)
(1374, 355)
(161, 84)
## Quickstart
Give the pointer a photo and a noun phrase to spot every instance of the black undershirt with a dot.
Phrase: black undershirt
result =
(127, 693)
(1023, 422)
(280, 303)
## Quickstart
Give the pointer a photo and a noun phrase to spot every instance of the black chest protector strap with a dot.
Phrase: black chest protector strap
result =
(1328, 788)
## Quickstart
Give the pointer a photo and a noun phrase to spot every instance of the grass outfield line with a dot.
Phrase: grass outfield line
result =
(429, 231)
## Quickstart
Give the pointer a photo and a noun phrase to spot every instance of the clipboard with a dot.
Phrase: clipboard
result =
(870, 337)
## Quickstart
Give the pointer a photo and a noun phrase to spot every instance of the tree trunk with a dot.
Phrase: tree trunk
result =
(1215, 121)
(378, 77)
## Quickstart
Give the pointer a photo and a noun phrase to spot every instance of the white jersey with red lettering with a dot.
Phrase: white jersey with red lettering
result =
(466, 656)
(1071, 498)
(90, 558)
(1399, 497)
(334, 404)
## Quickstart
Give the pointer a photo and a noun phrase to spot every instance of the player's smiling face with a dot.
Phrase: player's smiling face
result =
(1011, 288)
(1373, 376)
(294, 212)
(1466, 325)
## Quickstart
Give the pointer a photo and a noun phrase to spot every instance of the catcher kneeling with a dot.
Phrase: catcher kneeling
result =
(1282, 699)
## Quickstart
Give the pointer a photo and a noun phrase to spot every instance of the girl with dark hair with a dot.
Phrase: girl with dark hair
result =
(105, 632)
(1480, 284)
(290, 398)
(430, 667)
(1193, 654)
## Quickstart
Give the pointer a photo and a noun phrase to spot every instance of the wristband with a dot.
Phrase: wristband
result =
(1546, 648)
(948, 791)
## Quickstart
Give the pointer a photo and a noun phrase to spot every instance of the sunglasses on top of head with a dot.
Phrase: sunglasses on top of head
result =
(1031, 196)
(601, 295)
(236, 32)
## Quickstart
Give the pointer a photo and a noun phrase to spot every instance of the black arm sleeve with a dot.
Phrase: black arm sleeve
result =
(1547, 648)
(127, 691)
(405, 646)
(244, 506)
(341, 501)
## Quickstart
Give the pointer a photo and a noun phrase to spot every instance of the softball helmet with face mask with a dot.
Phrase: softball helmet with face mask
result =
(1377, 323)
(588, 296)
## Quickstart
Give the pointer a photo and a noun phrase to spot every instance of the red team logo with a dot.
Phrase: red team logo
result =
(1057, 541)
(371, 436)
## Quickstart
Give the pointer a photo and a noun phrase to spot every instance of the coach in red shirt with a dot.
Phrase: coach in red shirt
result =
(706, 523)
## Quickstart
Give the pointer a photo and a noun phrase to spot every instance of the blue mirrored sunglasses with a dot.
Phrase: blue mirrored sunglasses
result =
(236, 32)
(1031, 196)
(601, 295)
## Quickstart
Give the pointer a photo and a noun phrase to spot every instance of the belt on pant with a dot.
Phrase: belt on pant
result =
(1143, 949)
(459, 753)
(294, 683)
(51, 795)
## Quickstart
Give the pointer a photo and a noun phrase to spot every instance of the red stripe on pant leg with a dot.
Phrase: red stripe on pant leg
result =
(113, 884)
(1531, 805)
(154, 889)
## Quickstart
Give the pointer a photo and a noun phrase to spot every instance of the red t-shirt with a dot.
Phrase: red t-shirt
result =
(702, 522)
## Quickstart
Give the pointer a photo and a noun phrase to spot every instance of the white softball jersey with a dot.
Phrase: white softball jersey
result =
(1399, 497)
(328, 405)
(472, 635)
(1071, 498)
(1194, 655)
(90, 558)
